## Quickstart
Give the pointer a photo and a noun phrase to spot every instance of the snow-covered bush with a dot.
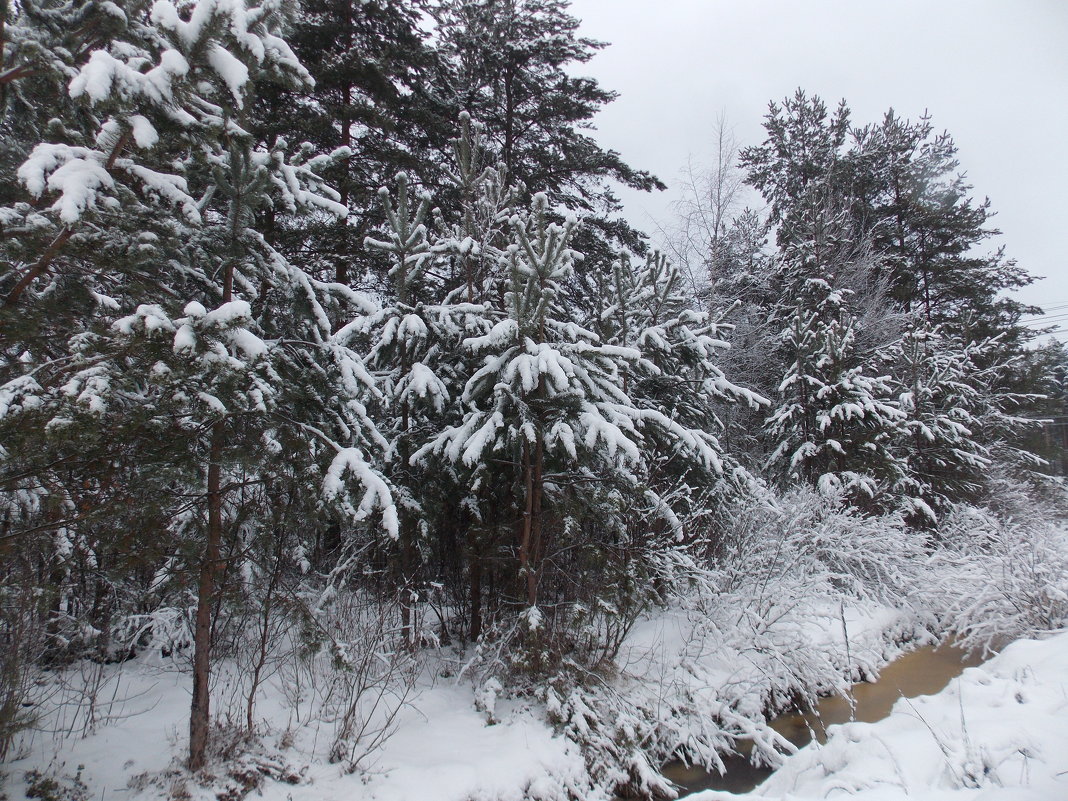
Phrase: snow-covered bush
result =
(806, 595)
(164, 630)
(999, 578)
(818, 540)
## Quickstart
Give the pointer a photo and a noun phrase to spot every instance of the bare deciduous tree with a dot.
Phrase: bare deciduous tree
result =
(711, 196)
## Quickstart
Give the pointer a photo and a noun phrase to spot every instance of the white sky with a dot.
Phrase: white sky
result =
(992, 73)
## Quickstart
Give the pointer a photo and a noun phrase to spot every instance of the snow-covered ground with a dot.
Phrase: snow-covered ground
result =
(996, 733)
(442, 750)
(444, 745)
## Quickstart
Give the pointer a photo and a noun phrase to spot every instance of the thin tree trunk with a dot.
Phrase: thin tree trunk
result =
(264, 643)
(407, 530)
(405, 585)
(200, 712)
(528, 513)
(341, 267)
(53, 650)
(509, 128)
(534, 574)
(530, 532)
(475, 577)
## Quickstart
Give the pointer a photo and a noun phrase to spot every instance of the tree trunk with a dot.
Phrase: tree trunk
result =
(528, 515)
(200, 712)
(405, 593)
(509, 128)
(530, 532)
(534, 574)
(264, 641)
(341, 269)
(407, 529)
(474, 573)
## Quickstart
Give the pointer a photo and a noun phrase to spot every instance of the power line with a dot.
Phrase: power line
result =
(1048, 310)
(1045, 318)
(1050, 314)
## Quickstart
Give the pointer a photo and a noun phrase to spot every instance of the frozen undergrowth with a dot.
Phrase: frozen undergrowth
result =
(440, 747)
(999, 579)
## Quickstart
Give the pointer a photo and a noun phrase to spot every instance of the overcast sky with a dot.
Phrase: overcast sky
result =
(993, 74)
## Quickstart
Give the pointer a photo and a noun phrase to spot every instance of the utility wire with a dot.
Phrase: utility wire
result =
(1048, 311)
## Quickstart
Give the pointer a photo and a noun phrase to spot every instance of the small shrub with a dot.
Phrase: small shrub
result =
(51, 788)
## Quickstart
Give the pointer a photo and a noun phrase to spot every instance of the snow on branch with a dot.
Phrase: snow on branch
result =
(376, 495)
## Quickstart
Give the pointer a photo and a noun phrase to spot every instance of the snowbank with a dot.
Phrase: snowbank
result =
(997, 733)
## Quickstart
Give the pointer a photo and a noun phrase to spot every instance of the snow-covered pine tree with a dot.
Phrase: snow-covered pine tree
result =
(508, 66)
(940, 436)
(444, 264)
(472, 238)
(475, 239)
(679, 381)
(897, 186)
(801, 157)
(908, 192)
(412, 346)
(1046, 370)
(575, 446)
(545, 409)
(93, 223)
(374, 66)
(838, 417)
(206, 345)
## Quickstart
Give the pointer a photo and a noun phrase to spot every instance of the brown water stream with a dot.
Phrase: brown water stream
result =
(921, 672)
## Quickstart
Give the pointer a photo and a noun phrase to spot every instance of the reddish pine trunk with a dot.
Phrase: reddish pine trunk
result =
(530, 533)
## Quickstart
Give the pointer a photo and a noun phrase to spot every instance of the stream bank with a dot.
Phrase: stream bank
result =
(925, 671)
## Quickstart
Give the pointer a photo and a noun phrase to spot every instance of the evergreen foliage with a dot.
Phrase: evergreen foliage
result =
(877, 253)
(511, 67)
